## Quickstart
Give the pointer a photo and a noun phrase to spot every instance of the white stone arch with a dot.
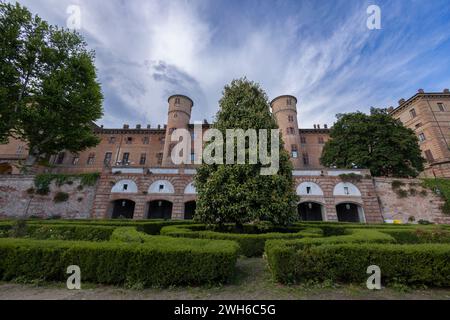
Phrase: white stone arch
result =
(346, 189)
(125, 186)
(161, 186)
(190, 189)
(309, 188)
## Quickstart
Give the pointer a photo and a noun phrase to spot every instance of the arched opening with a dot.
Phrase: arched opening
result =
(160, 209)
(350, 212)
(5, 168)
(310, 211)
(123, 209)
(189, 210)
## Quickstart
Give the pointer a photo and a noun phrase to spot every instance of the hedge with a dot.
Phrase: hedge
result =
(251, 245)
(160, 261)
(420, 264)
(419, 235)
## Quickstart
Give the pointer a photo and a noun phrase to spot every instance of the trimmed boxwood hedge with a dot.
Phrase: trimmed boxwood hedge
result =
(160, 261)
(251, 245)
(420, 264)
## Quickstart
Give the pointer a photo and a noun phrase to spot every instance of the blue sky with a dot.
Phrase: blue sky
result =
(319, 51)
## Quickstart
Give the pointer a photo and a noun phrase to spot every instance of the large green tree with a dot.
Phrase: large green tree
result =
(377, 142)
(239, 193)
(49, 93)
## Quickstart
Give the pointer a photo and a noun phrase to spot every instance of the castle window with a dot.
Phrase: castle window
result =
(321, 140)
(112, 140)
(290, 130)
(291, 118)
(129, 140)
(303, 139)
(75, 160)
(146, 140)
(305, 159)
(441, 106)
(107, 159)
(429, 156)
(60, 158)
(294, 151)
(91, 158)
(412, 112)
(177, 100)
(175, 115)
(125, 158)
(289, 102)
(143, 159)
(422, 137)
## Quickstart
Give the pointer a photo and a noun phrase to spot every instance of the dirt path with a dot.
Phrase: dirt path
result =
(251, 281)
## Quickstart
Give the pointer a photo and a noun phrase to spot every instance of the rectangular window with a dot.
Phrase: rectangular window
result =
(294, 151)
(75, 160)
(303, 140)
(146, 140)
(112, 140)
(91, 159)
(192, 157)
(412, 112)
(289, 102)
(429, 156)
(143, 159)
(308, 190)
(346, 191)
(421, 137)
(159, 158)
(129, 140)
(441, 106)
(125, 158)
(305, 159)
(291, 118)
(107, 159)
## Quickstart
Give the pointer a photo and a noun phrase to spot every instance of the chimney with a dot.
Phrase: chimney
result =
(159, 126)
(325, 126)
(401, 101)
(318, 126)
(165, 126)
(138, 126)
(101, 126)
(420, 91)
(314, 126)
(126, 126)
(446, 91)
(149, 126)
(390, 109)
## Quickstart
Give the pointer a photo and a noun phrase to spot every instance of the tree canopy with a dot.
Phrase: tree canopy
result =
(49, 93)
(238, 193)
(376, 141)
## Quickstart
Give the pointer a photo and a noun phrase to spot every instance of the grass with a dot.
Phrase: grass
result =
(251, 281)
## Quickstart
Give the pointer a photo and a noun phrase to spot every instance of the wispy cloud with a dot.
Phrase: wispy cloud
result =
(319, 51)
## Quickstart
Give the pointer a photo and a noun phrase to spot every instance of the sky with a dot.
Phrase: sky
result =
(320, 51)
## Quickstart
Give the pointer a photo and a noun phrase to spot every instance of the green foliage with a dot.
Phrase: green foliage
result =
(376, 141)
(441, 187)
(42, 181)
(69, 232)
(19, 228)
(420, 264)
(49, 93)
(160, 261)
(351, 177)
(397, 184)
(251, 244)
(420, 235)
(127, 234)
(238, 193)
(61, 197)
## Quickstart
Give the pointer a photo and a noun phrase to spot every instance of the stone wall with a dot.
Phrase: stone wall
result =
(17, 201)
(417, 205)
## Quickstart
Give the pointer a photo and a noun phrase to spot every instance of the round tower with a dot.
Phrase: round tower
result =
(284, 109)
(179, 116)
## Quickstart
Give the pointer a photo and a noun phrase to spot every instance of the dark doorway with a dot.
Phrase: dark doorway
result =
(5, 168)
(123, 209)
(348, 212)
(160, 209)
(310, 211)
(189, 210)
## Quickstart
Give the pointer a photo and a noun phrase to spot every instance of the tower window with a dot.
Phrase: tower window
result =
(422, 137)
(412, 112)
(290, 130)
(291, 118)
(177, 100)
(441, 106)
(305, 159)
(289, 102)
(143, 159)
(294, 151)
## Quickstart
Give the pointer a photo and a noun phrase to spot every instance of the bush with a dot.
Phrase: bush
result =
(160, 261)
(127, 234)
(420, 235)
(423, 264)
(251, 245)
(69, 232)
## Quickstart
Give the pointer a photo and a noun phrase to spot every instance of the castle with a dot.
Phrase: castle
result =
(138, 179)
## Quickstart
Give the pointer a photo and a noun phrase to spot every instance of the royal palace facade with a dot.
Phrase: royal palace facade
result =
(138, 179)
